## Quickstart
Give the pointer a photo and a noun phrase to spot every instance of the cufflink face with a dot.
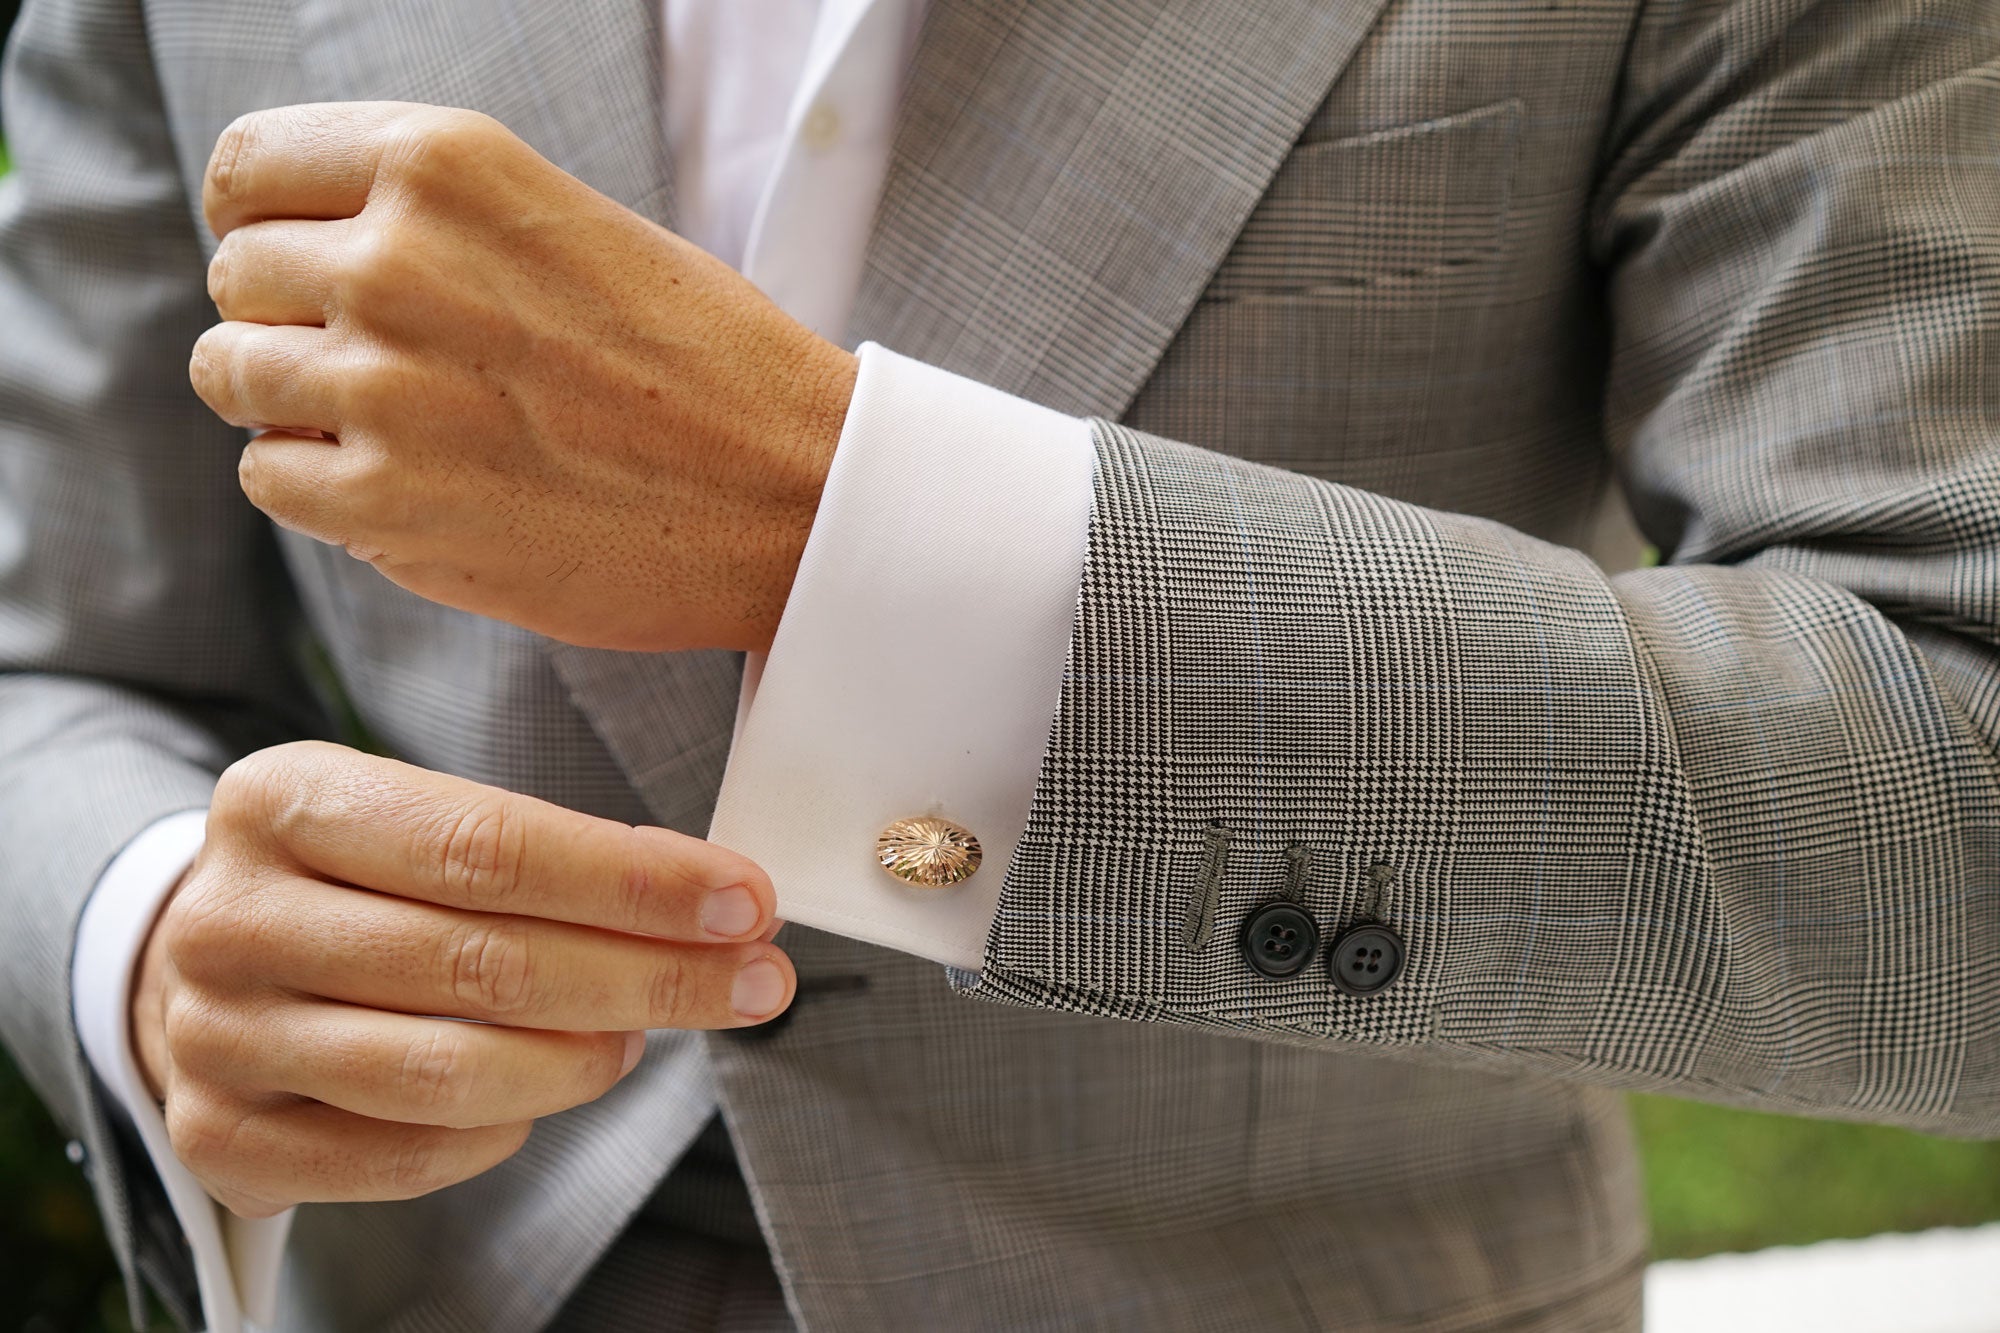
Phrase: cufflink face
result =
(929, 852)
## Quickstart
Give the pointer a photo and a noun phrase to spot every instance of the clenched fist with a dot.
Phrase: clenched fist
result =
(295, 1001)
(507, 392)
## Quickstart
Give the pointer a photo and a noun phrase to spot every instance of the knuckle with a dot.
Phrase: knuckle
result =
(433, 147)
(189, 1028)
(266, 791)
(202, 931)
(480, 853)
(250, 479)
(667, 999)
(377, 268)
(286, 805)
(361, 521)
(434, 1074)
(245, 785)
(370, 478)
(210, 365)
(640, 899)
(219, 270)
(203, 1036)
(489, 969)
(204, 1133)
(233, 148)
(370, 389)
(415, 1165)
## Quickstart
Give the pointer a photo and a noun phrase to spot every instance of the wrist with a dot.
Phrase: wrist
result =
(818, 394)
(147, 1018)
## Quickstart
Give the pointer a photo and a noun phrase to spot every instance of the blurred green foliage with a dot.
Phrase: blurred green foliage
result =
(60, 1278)
(1719, 1179)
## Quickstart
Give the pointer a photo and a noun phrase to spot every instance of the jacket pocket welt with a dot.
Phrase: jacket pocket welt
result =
(1395, 206)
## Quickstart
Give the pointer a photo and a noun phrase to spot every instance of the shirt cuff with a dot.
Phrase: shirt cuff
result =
(918, 663)
(236, 1260)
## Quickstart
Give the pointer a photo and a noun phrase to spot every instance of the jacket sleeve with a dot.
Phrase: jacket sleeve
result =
(1727, 828)
(144, 625)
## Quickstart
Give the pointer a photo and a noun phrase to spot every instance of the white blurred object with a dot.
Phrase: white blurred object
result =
(1944, 1281)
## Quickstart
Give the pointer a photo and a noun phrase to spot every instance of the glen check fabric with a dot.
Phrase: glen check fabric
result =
(693, 1258)
(1408, 281)
(1727, 825)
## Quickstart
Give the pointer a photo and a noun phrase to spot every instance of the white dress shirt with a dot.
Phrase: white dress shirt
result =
(946, 501)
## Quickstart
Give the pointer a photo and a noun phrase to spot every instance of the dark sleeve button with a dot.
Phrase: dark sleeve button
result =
(1366, 958)
(1279, 939)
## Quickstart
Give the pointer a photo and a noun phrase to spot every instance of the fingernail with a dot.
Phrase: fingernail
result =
(759, 989)
(635, 1046)
(730, 913)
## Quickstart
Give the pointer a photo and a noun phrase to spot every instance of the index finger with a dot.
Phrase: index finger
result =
(314, 161)
(395, 828)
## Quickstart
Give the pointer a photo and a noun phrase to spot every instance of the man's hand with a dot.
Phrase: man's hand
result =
(536, 405)
(293, 1004)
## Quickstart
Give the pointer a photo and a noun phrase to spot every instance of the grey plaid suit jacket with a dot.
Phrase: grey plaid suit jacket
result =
(1382, 296)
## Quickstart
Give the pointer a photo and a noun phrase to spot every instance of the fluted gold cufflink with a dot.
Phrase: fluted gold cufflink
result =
(927, 851)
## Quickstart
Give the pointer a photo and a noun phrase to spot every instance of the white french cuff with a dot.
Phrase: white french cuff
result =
(236, 1260)
(918, 664)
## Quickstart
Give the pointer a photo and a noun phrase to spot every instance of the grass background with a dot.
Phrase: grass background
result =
(1716, 1180)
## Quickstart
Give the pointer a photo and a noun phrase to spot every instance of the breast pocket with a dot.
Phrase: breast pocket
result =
(1379, 209)
(1346, 331)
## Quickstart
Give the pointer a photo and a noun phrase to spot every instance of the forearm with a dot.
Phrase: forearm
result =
(1705, 830)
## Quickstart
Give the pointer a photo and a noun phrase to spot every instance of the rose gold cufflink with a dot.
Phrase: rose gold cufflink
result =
(928, 852)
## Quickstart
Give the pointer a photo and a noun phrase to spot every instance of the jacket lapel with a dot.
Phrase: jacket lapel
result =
(580, 82)
(1067, 175)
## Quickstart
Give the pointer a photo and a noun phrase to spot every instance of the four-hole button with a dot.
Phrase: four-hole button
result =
(1279, 939)
(1366, 958)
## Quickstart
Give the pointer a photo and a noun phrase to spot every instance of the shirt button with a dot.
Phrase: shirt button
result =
(1366, 958)
(928, 852)
(821, 128)
(1279, 939)
(74, 1151)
